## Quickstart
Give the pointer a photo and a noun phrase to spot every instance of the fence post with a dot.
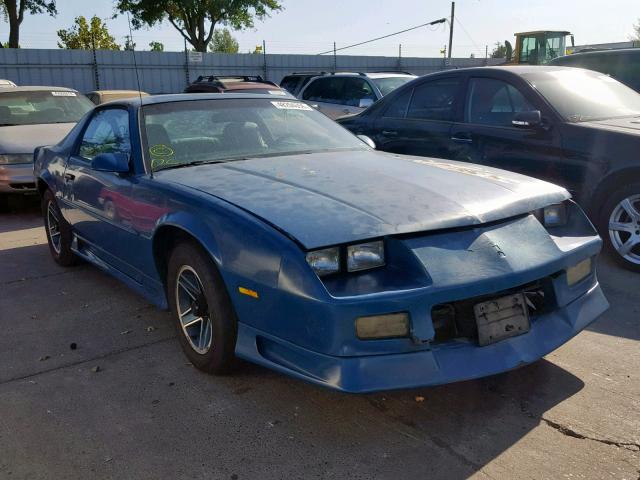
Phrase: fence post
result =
(264, 60)
(400, 57)
(335, 58)
(96, 74)
(186, 63)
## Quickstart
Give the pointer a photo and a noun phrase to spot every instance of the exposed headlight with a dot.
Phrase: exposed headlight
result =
(553, 215)
(10, 158)
(383, 326)
(324, 261)
(365, 256)
(578, 272)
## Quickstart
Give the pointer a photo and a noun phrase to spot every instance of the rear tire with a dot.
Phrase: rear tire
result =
(59, 235)
(619, 226)
(195, 291)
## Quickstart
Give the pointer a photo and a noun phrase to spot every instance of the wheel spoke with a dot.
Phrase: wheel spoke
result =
(630, 209)
(188, 310)
(186, 288)
(622, 227)
(193, 322)
(627, 246)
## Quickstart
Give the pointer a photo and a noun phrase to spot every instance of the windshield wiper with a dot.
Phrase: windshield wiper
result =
(189, 164)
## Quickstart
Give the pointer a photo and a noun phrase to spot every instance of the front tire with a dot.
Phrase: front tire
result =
(619, 225)
(203, 315)
(59, 236)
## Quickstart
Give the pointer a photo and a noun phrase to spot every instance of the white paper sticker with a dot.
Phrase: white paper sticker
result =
(277, 92)
(291, 106)
(63, 94)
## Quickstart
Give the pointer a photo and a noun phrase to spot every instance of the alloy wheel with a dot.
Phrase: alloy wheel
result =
(53, 227)
(624, 229)
(193, 310)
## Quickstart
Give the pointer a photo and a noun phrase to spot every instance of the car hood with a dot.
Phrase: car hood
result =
(629, 125)
(324, 199)
(25, 138)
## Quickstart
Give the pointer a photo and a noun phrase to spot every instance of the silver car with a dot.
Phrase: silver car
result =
(31, 117)
(340, 94)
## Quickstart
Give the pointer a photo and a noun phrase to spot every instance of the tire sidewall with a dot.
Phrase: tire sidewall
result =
(65, 257)
(611, 202)
(220, 356)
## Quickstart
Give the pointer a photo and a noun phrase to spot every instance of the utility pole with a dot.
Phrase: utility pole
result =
(264, 59)
(400, 57)
(453, 14)
(335, 58)
(486, 55)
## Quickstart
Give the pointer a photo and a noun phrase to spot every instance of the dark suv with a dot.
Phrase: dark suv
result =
(233, 84)
(623, 64)
(570, 126)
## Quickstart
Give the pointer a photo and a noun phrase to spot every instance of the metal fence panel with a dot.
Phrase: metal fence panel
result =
(167, 72)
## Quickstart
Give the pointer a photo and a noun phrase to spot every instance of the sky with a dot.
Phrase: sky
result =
(311, 26)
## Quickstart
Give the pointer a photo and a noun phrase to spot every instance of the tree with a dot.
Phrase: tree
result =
(156, 46)
(84, 36)
(13, 11)
(197, 19)
(636, 30)
(223, 42)
(129, 44)
(500, 51)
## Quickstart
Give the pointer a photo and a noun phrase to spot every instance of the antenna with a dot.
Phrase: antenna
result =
(133, 52)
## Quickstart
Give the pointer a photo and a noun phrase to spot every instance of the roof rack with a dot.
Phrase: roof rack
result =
(221, 78)
(393, 71)
(310, 73)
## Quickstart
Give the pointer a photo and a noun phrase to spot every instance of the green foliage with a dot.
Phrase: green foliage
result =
(84, 35)
(500, 51)
(636, 31)
(13, 12)
(197, 19)
(129, 44)
(223, 42)
(156, 46)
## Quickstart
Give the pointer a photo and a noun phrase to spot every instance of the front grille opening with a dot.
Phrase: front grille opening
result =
(457, 320)
(23, 186)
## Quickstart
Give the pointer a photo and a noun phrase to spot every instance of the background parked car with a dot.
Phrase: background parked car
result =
(570, 126)
(6, 83)
(295, 82)
(31, 117)
(234, 84)
(339, 94)
(623, 64)
(102, 96)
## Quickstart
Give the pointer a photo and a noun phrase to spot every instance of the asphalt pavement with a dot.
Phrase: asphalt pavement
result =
(93, 384)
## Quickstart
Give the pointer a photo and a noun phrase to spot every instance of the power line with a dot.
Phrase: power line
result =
(442, 20)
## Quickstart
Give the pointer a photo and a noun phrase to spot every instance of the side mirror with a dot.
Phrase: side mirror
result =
(367, 140)
(117, 162)
(365, 103)
(530, 119)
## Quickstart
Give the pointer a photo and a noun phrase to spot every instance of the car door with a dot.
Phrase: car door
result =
(100, 201)
(337, 96)
(487, 136)
(417, 121)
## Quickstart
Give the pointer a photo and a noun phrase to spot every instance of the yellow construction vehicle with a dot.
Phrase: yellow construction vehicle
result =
(537, 48)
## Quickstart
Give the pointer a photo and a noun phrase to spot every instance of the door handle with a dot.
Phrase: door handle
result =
(69, 176)
(390, 133)
(462, 139)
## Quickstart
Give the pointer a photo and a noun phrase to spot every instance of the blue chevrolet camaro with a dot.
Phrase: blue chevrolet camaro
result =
(274, 235)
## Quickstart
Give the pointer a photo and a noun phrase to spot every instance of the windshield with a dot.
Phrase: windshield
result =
(41, 107)
(182, 133)
(583, 95)
(387, 85)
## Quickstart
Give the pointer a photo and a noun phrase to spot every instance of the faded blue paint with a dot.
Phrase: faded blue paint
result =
(452, 231)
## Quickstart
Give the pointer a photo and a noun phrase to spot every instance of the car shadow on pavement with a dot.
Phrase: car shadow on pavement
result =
(621, 288)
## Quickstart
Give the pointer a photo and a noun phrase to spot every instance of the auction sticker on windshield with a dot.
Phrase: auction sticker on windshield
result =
(291, 106)
(63, 94)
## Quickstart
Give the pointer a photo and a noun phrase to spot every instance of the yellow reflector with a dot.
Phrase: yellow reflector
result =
(248, 291)
(578, 272)
(383, 326)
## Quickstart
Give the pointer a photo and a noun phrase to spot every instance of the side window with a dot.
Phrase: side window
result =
(434, 100)
(290, 83)
(398, 105)
(107, 132)
(494, 102)
(326, 89)
(356, 89)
